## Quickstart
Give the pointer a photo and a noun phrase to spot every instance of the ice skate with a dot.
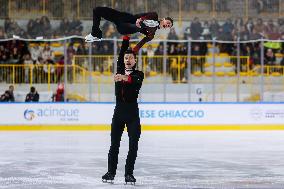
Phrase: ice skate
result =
(90, 38)
(108, 178)
(130, 179)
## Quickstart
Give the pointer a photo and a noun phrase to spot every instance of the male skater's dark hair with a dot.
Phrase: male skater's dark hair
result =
(130, 51)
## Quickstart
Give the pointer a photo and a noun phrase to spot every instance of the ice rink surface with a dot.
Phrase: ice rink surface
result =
(183, 159)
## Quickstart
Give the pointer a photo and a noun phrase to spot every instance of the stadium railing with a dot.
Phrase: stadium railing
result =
(218, 73)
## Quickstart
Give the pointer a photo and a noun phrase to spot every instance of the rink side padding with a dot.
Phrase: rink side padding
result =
(154, 116)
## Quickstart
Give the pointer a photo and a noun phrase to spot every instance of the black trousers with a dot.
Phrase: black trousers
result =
(125, 22)
(124, 113)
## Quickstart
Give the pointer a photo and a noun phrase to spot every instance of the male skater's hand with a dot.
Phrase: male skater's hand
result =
(119, 77)
(138, 22)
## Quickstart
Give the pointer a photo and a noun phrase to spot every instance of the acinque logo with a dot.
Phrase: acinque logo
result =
(50, 112)
(29, 115)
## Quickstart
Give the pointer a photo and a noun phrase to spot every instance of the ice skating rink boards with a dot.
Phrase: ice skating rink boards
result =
(153, 116)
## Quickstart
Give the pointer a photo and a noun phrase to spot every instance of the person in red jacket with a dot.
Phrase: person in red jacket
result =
(59, 95)
(126, 23)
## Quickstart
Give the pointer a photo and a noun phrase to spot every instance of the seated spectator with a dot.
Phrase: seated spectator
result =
(5, 97)
(29, 65)
(46, 26)
(7, 24)
(71, 49)
(111, 32)
(172, 34)
(206, 35)
(15, 56)
(186, 33)
(160, 49)
(249, 25)
(105, 50)
(274, 34)
(269, 58)
(255, 35)
(37, 28)
(82, 49)
(31, 28)
(222, 35)
(32, 96)
(4, 54)
(269, 28)
(196, 61)
(2, 33)
(214, 28)
(75, 26)
(259, 27)
(64, 27)
(238, 24)
(195, 29)
(13, 29)
(8, 96)
(59, 95)
(38, 68)
(36, 52)
(244, 33)
(228, 26)
(47, 53)
(281, 24)
(48, 69)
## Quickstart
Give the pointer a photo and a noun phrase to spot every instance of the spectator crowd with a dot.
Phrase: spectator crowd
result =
(41, 59)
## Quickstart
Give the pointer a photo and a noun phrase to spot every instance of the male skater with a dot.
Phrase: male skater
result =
(145, 23)
(128, 82)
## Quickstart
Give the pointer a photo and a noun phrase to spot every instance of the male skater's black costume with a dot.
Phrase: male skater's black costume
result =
(125, 23)
(126, 112)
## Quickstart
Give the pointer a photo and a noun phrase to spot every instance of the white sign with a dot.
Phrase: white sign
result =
(150, 113)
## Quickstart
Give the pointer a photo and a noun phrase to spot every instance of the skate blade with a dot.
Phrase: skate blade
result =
(92, 40)
(131, 183)
(108, 181)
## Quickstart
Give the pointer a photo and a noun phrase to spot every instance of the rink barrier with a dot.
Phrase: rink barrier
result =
(154, 116)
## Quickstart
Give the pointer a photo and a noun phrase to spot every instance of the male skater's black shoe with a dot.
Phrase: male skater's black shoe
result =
(130, 178)
(108, 177)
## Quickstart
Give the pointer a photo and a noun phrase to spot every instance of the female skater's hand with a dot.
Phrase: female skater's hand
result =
(138, 22)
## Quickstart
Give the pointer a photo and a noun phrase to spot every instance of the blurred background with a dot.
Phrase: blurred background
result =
(217, 51)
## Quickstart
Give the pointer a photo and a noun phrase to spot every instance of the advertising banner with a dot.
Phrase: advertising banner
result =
(150, 113)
